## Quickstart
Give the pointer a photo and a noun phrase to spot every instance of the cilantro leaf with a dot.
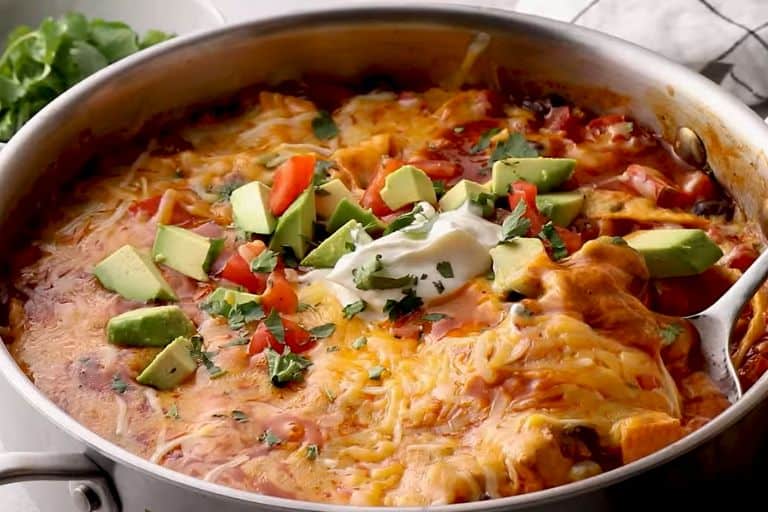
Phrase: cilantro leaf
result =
(320, 174)
(371, 276)
(516, 145)
(270, 439)
(286, 367)
(324, 127)
(375, 372)
(264, 262)
(549, 234)
(322, 331)
(204, 358)
(669, 333)
(312, 451)
(359, 343)
(118, 384)
(329, 394)
(236, 342)
(445, 269)
(439, 286)
(439, 187)
(399, 308)
(484, 141)
(275, 326)
(486, 201)
(516, 224)
(352, 309)
(404, 220)
(241, 315)
(239, 416)
(173, 412)
(434, 317)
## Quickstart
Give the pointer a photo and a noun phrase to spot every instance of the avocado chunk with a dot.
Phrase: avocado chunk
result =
(347, 210)
(560, 207)
(250, 208)
(132, 274)
(342, 241)
(545, 173)
(512, 263)
(460, 193)
(149, 327)
(407, 185)
(185, 251)
(170, 367)
(232, 297)
(675, 252)
(296, 225)
(329, 195)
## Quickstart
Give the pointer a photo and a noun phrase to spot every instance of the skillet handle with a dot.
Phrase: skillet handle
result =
(89, 485)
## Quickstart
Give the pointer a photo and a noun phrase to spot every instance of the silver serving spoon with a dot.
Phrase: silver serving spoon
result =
(715, 325)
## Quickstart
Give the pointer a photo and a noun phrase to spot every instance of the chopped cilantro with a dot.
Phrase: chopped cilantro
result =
(371, 276)
(324, 126)
(375, 372)
(484, 141)
(264, 262)
(329, 394)
(548, 233)
(303, 306)
(359, 343)
(352, 309)
(274, 325)
(439, 186)
(486, 201)
(225, 189)
(242, 314)
(322, 331)
(439, 286)
(320, 174)
(445, 269)
(239, 416)
(516, 224)
(286, 367)
(400, 308)
(669, 333)
(270, 439)
(404, 220)
(434, 317)
(515, 146)
(118, 384)
(332, 348)
(236, 342)
(172, 412)
(312, 451)
(204, 358)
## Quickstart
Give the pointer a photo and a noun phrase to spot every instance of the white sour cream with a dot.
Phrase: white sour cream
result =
(459, 237)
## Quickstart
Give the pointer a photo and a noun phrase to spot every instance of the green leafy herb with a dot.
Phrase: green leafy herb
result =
(329, 394)
(439, 286)
(399, 308)
(332, 348)
(322, 331)
(239, 416)
(320, 174)
(173, 412)
(270, 439)
(286, 367)
(312, 451)
(264, 262)
(445, 269)
(439, 187)
(352, 309)
(375, 372)
(434, 317)
(486, 201)
(303, 306)
(516, 224)
(204, 358)
(617, 240)
(324, 126)
(241, 315)
(359, 343)
(225, 190)
(404, 220)
(515, 146)
(118, 384)
(549, 234)
(38, 65)
(669, 333)
(484, 141)
(236, 342)
(275, 326)
(372, 276)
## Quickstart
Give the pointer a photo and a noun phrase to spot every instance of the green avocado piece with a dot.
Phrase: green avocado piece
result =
(149, 327)
(545, 173)
(347, 210)
(560, 207)
(185, 251)
(132, 274)
(296, 225)
(232, 297)
(329, 195)
(170, 367)
(675, 252)
(250, 208)
(511, 266)
(342, 241)
(461, 192)
(407, 185)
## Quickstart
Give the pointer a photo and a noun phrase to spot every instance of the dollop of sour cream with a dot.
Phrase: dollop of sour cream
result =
(460, 237)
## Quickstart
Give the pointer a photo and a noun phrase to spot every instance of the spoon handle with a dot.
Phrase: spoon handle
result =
(728, 307)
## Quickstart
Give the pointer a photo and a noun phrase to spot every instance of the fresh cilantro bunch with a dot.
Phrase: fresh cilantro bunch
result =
(39, 64)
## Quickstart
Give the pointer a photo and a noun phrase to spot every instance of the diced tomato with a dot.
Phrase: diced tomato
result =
(238, 270)
(652, 184)
(697, 186)
(372, 196)
(571, 239)
(291, 179)
(741, 257)
(280, 295)
(150, 205)
(560, 119)
(438, 169)
(296, 338)
(526, 192)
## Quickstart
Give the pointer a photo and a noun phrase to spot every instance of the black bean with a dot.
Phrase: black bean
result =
(714, 207)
